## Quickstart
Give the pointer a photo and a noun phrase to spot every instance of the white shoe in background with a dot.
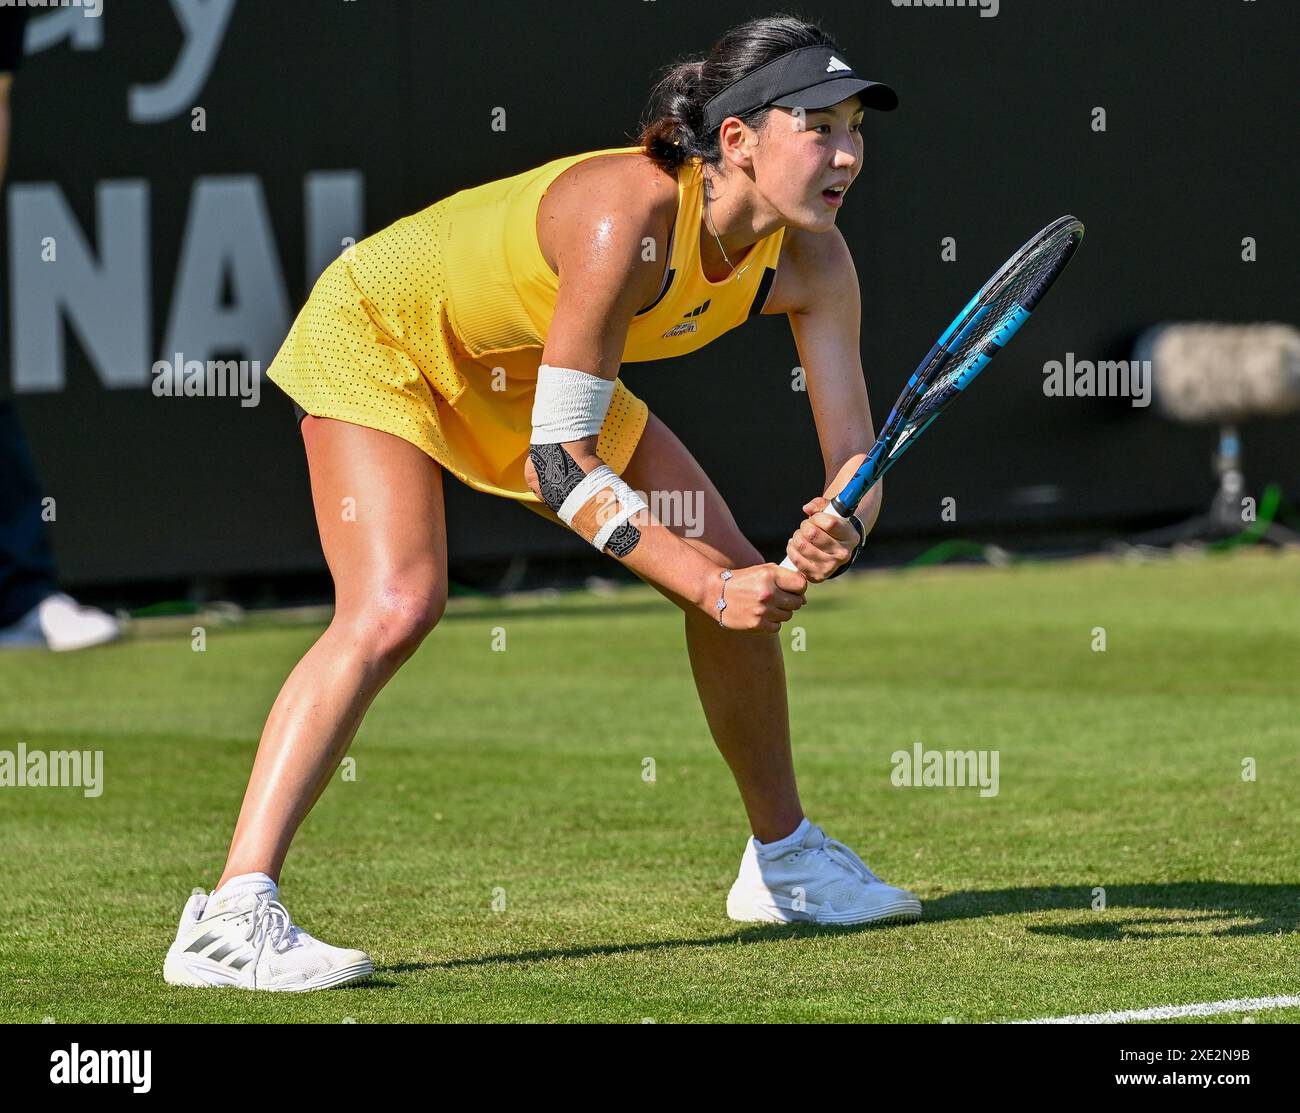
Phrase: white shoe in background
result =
(60, 623)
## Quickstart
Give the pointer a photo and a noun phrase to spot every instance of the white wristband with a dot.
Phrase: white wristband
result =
(569, 405)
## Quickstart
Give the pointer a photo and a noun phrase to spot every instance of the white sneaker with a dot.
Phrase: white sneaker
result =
(242, 936)
(59, 622)
(808, 878)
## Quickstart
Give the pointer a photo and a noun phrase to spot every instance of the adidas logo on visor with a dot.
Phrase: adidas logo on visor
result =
(835, 64)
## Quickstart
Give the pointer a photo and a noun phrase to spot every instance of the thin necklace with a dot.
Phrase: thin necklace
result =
(713, 228)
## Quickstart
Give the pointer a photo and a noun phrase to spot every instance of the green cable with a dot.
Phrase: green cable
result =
(946, 550)
(1269, 502)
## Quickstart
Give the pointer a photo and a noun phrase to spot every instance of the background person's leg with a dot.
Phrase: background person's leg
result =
(27, 572)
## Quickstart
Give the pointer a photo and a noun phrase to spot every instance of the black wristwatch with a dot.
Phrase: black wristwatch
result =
(862, 536)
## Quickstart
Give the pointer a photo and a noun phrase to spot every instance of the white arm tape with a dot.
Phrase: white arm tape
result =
(569, 405)
(629, 502)
(625, 511)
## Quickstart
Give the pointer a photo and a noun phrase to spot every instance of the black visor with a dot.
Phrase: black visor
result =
(810, 77)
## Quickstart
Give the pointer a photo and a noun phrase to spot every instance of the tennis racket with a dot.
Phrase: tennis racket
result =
(981, 330)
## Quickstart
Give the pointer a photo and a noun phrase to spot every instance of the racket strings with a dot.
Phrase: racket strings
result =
(1007, 307)
(993, 320)
(989, 322)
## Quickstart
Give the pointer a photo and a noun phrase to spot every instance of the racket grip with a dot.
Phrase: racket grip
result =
(829, 508)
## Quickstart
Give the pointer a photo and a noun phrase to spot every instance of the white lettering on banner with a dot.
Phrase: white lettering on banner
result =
(203, 23)
(228, 232)
(46, 31)
(331, 202)
(100, 289)
(104, 298)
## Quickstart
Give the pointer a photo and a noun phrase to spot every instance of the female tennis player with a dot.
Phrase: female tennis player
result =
(483, 337)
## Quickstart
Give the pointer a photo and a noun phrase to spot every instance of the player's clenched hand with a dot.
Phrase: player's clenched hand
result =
(759, 598)
(821, 543)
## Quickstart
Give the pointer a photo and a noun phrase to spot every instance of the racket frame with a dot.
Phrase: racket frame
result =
(888, 448)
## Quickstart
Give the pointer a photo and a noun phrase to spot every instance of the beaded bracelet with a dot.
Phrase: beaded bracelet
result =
(721, 604)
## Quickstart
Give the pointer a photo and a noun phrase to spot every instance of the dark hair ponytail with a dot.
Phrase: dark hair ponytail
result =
(672, 125)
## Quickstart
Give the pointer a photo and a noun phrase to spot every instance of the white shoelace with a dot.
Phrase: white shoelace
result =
(843, 856)
(271, 924)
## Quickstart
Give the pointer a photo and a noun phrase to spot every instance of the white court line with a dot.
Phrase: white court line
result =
(1169, 1012)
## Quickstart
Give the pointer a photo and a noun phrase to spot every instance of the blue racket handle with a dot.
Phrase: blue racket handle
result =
(831, 509)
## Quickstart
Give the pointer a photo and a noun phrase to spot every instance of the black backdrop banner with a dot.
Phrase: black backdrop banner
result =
(182, 169)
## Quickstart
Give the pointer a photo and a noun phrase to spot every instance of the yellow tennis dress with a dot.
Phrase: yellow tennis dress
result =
(432, 329)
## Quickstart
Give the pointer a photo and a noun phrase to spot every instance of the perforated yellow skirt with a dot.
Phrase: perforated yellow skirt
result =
(402, 370)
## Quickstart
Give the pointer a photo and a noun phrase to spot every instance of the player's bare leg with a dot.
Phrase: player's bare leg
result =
(389, 567)
(790, 871)
(740, 678)
(379, 508)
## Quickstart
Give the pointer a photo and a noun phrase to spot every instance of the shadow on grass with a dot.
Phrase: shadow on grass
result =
(1136, 911)
(1180, 910)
